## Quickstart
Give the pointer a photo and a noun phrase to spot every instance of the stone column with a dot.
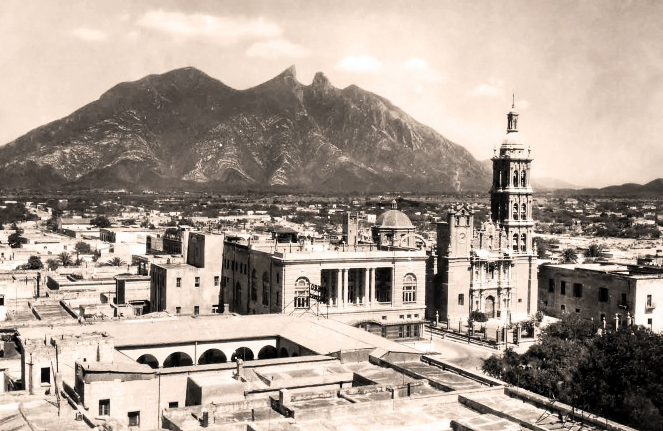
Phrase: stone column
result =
(365, 287)
(374, 291)
(346, 296)
(339, 288)
(393, 285)
(481, 306)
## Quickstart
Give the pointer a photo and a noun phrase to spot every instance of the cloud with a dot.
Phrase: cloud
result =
(276, 48)
(360, 64)
(494, 88)
(223, 31)
(420, 70)
(89, 34)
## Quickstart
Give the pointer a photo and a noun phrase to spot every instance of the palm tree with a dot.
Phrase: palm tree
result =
(594, 250)
(116, 261)
(569, 255)
(65, 259)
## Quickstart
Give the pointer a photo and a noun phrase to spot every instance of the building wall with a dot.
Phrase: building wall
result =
(626, 295)
(125, 393)
(276, 276)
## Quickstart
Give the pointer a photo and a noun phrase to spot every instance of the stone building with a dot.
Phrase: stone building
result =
(379, 287)
(492, 268)
(191, 287)
(616, 294)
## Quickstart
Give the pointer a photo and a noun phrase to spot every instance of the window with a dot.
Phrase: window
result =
(461, 299)
(178, 310)
(551, 285)
(179, 282)
(515, 242)
(104, 407)
(265, 289)
(134, 419)
(523, 212)
(46, 375)
(216, 280)
(563, 307)
(173, 405)
(416, 330)
(562, 288)
(650, 323)
(577, 310)
(410, 288)
(384, 332)
(649, 301)
(577, 290)
(603, 294)
(400, 331)
(278, 278)
(520, 300)
(523, 242)
(515, 178)
(515, 211)
(197, 281)
(301, 293)
(196, 310)
(384, 317)
(623, 299)
(408, 331)
(523, 179)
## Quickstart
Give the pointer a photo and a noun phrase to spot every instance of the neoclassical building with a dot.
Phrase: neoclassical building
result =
(379, 287)
(492, 268)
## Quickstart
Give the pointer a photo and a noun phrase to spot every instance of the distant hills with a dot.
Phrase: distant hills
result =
(185, 130)
(651, 189)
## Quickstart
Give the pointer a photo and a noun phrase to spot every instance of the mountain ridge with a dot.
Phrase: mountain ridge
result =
(184, 128)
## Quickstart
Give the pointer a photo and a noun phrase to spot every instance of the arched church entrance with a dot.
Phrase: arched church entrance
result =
(490, 307)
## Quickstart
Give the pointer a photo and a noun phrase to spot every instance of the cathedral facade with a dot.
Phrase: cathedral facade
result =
(491, 268)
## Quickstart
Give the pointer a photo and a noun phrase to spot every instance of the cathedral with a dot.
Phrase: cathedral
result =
(492, 268)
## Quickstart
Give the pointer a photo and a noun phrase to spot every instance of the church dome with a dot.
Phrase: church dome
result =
(394, 219)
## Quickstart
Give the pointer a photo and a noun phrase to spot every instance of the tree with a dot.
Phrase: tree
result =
(83, 247)
(52, 264)
(15, 240)
(116, 261)
(569, 255)
(594, 250)
(65, 259)
(100, 221)
(34, 262)
(617, 374)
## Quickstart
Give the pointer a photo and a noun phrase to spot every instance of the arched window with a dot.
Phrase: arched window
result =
(523, 242)
(523, 179)
(301, 292)
(254, 285)
(515, 242)
(515, 211)
(523, 212)
(265, 289)
(515, 178)
(410, 288)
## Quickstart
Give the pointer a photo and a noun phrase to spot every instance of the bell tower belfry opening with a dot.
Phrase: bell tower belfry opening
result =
(511, 192)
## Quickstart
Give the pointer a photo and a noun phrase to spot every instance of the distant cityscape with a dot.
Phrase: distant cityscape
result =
(183, 310)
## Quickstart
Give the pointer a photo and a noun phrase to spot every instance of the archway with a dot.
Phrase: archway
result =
(148, 360)
(490, 307)
(283, 353)
(212, 356)
(267, 352)
(177, 359)
(243, 353)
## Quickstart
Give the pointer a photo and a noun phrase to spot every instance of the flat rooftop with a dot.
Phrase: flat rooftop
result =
(322, 336)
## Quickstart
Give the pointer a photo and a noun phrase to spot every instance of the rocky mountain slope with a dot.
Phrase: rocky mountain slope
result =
(185, 129)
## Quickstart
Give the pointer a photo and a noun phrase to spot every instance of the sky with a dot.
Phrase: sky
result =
(587, 74)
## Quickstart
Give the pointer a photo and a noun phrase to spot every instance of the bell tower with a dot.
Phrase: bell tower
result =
(511, 193)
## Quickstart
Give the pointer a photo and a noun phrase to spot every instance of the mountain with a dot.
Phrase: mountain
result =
(651, 189)
(185, 129)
